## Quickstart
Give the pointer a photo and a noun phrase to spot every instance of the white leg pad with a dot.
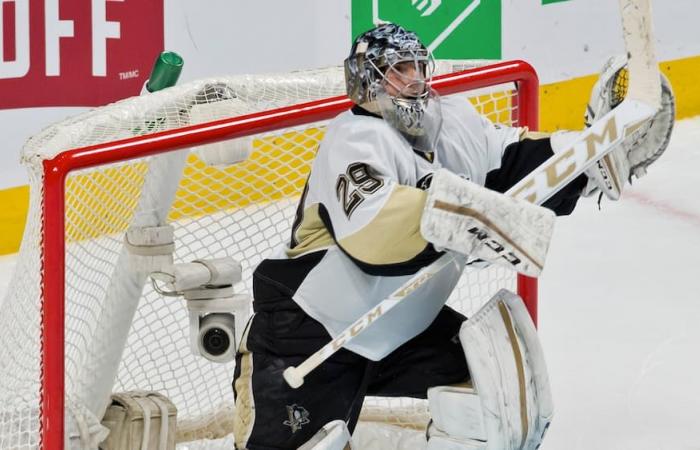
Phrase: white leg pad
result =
(508, 372)
(456, 411)
(333, 436)
(448, 443)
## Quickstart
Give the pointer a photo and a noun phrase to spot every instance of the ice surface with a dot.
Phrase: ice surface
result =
(620, 312)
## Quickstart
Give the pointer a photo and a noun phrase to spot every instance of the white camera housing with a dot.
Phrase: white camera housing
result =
(216, 325)
(216, 336)
(217, 316)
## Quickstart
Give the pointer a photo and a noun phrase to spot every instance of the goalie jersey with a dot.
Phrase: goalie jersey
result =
(356, 236)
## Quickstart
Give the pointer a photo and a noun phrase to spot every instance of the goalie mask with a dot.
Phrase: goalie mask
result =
(388, 73)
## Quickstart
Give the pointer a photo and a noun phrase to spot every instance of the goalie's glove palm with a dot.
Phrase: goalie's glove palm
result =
(641, 149)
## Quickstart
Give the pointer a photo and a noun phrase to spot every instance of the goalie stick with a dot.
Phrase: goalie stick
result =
(643, 100)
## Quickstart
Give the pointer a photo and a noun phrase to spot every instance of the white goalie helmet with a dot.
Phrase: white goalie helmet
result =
(388, 72)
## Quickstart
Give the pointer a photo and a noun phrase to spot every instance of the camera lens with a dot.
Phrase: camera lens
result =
(216, 341)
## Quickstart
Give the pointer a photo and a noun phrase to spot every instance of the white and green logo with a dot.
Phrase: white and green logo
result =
(452, 29)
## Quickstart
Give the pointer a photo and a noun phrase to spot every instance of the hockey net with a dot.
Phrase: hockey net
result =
(78, 324)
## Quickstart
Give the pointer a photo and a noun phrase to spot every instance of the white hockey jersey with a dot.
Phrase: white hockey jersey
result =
(357, 226)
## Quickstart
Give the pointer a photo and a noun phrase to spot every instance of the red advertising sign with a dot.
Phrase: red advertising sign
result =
(76, 52)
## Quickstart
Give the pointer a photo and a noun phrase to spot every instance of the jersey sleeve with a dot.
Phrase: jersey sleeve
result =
(498, 139)
(372, 218)
(503, 155)
(522, 157)
(479, 143)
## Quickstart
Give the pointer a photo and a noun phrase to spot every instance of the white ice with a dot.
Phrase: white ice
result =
(620, 312)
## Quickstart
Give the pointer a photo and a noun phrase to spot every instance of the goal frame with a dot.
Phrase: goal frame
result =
(57, 169)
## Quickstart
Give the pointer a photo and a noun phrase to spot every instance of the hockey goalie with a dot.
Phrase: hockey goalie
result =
(400, 180)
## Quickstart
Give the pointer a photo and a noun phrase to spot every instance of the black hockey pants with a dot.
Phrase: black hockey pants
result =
(271, 415)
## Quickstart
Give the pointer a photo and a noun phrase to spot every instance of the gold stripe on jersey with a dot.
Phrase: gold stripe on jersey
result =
(311, 233)
(244, 413)
(525, 133)
(393, 235)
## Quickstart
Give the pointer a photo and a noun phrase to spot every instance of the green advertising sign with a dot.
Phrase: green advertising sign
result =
(452, 29)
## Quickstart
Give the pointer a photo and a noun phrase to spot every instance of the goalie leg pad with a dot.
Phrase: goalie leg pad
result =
(448, 443)
(462, 216)
(456, 411)
(333, 436)
(457, 419)
(509, 374)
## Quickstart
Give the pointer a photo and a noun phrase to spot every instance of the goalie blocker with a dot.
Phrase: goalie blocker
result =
(462, 216)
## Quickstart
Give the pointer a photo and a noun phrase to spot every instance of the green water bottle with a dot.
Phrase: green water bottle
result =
(165, 71)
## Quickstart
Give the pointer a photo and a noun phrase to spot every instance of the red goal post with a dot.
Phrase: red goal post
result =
(56, 170)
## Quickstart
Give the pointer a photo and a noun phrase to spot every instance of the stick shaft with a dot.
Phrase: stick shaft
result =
(592, 144)
(386, 305)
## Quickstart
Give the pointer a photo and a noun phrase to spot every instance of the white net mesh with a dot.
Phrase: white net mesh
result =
(120, 335)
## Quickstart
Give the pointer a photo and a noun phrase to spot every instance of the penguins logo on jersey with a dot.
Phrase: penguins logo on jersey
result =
(298, 416)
